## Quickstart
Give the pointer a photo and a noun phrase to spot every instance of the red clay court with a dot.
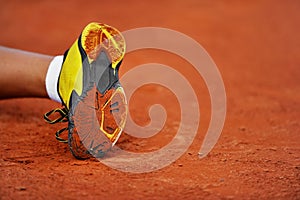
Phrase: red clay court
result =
(256, 46)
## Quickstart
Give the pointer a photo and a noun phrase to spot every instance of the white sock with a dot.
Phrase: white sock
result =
(52, 78)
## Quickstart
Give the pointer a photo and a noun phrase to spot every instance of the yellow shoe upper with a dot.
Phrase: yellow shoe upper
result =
(71, 74)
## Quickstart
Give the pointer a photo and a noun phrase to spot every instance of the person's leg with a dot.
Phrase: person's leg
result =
(22, 73)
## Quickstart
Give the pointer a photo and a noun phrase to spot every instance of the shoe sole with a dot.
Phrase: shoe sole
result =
(102, 49)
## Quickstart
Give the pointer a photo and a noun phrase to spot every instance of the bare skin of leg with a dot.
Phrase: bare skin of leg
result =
(22, 73)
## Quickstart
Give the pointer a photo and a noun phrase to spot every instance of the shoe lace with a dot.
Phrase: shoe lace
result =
(63, 117)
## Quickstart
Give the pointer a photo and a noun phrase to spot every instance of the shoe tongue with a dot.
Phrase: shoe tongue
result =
(104, 77)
